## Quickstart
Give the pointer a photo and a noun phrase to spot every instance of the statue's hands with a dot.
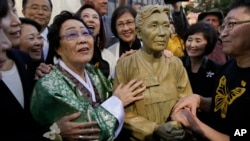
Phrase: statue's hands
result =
(170, 131)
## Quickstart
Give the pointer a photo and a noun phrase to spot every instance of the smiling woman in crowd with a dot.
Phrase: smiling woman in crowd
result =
(102, 58)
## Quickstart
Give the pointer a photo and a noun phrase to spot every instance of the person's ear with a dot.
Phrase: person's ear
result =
(24, 12)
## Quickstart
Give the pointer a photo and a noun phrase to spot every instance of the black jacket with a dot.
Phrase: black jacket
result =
(17, 123)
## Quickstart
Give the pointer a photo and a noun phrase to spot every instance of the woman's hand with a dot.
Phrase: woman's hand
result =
(191, 102)
(74, 131)
(127, 53)
(42, 69)
(129, 93)
(185, 117)
(167, 53)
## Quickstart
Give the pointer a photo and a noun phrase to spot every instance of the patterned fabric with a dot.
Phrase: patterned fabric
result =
(56, 95)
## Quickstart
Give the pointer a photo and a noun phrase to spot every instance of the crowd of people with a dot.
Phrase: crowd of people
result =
(90, 77)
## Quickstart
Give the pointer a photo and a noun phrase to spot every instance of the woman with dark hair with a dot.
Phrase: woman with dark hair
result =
(73, 85)
(123, 27)
(97, 25)
(31, 40)
(200, 40)
(102, 58)
(17, 81)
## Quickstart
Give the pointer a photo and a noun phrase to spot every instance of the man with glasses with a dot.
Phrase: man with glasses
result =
(214, 17)
(230, 103)
(40, 11)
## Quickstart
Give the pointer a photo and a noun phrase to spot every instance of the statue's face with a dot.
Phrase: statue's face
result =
(155, 32)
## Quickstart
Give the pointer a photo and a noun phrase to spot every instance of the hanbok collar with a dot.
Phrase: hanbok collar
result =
(86, 83)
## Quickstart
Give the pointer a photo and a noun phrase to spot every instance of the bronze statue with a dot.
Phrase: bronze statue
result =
(165, 79)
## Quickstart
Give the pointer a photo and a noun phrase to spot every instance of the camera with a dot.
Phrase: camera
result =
(173, 1)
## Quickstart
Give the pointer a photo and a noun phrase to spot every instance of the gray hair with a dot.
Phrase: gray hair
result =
(146, 12)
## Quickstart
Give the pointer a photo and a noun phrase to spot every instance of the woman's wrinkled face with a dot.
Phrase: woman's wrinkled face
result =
(12, 25)
(76, 44)
(92, 19)
(125, 27)
(31, 41)
(155, 32)
(196, 45)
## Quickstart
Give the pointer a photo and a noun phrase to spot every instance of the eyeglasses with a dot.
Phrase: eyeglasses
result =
(37, 8)
(129, 23)
(72, 35)
(230, 25)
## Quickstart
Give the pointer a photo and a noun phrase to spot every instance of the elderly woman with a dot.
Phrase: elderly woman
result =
(76, 86)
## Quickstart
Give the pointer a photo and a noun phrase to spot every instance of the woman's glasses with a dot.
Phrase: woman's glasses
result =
(73, 34)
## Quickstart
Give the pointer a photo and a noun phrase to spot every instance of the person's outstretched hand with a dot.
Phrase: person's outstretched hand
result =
(191, 102)
(42, 69)
(130, 92)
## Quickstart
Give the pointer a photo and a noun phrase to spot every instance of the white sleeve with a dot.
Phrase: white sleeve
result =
(115, 107)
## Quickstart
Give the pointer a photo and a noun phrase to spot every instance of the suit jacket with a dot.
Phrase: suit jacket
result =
(17, 122)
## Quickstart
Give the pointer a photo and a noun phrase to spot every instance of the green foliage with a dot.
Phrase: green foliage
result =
(205, 5)
(223, 5)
